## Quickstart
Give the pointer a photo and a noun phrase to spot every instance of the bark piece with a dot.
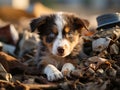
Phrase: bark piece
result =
(11, 64)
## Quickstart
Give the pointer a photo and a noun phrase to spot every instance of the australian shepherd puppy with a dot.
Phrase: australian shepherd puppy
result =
(61, 43)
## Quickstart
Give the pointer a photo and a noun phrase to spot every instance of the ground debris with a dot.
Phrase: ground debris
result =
(99, 71)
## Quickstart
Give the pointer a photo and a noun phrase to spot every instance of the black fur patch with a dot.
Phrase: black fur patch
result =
(43, 24)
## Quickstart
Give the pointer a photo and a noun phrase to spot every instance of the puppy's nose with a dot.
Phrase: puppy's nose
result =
(60, 50)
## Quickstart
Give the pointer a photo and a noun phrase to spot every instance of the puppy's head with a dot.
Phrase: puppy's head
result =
(59, 32)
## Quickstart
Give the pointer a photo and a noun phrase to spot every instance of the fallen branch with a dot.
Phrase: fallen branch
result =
(68, 85)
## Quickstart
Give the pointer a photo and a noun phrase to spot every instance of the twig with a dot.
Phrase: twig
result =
(6, 82)
(53, 86)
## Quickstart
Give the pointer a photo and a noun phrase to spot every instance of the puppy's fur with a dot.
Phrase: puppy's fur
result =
(26, 43)
(61, 43)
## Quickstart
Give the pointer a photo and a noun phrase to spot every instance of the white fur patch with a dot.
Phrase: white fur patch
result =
(67, 68)
(60, 42)
(60, 22)
(52, 73)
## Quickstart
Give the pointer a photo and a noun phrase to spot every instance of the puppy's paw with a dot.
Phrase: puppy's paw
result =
(52, 73)
(67, 68)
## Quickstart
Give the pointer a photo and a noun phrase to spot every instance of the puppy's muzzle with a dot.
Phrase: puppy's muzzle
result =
(60, 51)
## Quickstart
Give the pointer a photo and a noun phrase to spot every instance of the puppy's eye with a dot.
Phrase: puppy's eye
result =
(70, 36)
(50, 38)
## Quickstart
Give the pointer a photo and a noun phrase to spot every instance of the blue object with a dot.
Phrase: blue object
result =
(108, 20)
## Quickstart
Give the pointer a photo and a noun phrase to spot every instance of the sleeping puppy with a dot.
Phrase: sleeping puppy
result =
(61, 43)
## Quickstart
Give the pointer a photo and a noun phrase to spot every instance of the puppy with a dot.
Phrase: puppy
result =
(61, 43)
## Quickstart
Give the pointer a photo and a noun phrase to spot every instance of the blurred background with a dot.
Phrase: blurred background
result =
(90, 6)
(13, 10)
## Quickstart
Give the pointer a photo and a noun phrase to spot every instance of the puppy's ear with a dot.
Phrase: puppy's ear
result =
(85, 23)
(84, 31)
(82, 23)
(35, 23)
